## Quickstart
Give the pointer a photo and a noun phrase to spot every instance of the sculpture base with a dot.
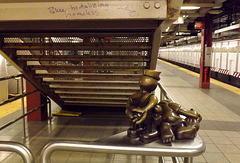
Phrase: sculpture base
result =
(149, 137)
(133, 133)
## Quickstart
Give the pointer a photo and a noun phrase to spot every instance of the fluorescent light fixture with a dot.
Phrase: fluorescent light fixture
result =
(167, 29)
(190, 7)
(180, 20)
(236, 26)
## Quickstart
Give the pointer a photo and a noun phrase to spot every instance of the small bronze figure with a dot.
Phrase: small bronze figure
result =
(141, 107)
(151, 120)
(173, 126)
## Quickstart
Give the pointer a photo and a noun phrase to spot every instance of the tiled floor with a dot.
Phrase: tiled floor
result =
(220, 127)
(220, 109)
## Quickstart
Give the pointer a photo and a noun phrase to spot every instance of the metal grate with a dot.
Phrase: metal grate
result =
(76, 39)
(23, 40)
(120, 39)
(83, 52)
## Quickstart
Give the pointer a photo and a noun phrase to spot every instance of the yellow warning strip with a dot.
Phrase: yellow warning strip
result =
(213, 81)
(67, 113)
(11, 107)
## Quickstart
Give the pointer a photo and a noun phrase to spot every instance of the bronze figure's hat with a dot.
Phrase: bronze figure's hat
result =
(152, 74)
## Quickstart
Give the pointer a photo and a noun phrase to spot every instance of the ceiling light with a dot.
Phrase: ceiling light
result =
(189, 7)
(179, 21)
(229, 28)
(167, 29)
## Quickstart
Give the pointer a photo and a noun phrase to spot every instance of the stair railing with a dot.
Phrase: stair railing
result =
(22, 95)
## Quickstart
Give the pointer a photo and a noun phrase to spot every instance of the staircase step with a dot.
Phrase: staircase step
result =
(66, 46)
(92, 103)
(65, 98)
(91, 83)
(94, 94)
(96, 100)
(89, 76)
(89, 68)
(96, 89)
(91, 58)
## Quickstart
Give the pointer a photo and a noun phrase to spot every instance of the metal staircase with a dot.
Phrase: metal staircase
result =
(94, 61)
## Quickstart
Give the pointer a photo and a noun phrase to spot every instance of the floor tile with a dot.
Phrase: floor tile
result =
(215, 158)
(233, 158)
(221, 140)
(210, 148)
(229, 148)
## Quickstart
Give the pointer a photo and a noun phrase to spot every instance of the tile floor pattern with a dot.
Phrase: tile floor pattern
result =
(220, 127)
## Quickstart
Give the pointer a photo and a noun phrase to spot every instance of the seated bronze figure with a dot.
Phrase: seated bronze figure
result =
(151, 120)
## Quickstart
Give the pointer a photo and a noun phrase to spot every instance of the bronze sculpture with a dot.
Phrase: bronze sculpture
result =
(141, 106)
(173, 126)
(151, 120)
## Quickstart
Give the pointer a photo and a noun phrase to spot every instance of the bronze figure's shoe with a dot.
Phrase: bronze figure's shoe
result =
(166, 133)
(149, 137)
(134, 133)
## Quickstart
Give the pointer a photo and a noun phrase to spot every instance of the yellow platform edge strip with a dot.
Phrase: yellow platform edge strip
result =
(213, 81)
(67, 113)
(11, 107)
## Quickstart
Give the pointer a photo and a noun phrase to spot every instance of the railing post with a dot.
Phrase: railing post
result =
(175, 160)
(23, 108)
(161, 160)
(164, 94)
(188, 160)
(49, 110)
(161, 94)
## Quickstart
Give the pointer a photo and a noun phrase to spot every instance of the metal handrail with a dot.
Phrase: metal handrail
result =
(95, 148)
(17, 97)
(164, 94)
(19, 148)
(22, 96)
(22, 116)
(15, 146)
(10, 77)
(77, 146)
(119, 144)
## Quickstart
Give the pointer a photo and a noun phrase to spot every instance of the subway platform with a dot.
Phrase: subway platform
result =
(220, 127)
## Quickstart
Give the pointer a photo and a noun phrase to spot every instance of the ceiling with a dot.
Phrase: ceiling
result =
(189, 17)
(215, 7)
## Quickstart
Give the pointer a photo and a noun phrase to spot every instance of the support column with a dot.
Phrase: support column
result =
(155, 48)
(205, 60)
(34, 100)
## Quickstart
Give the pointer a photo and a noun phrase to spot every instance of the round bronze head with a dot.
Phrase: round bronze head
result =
(148, 81)
(148, 84)
(152, 74)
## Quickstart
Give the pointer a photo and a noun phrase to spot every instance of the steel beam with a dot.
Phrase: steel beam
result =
(84, 10)
(155, 47)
